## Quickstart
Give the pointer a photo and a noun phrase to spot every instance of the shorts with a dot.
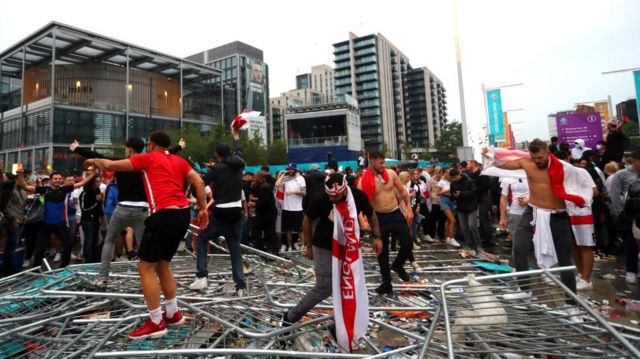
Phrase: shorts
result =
(163, 232)
(447, 203)
(291, 221)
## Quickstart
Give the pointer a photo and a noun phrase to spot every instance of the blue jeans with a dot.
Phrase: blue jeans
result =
(229, 227)
(13, 236)
(90, 245)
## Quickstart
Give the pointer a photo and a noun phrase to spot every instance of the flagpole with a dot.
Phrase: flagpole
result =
(463, 112)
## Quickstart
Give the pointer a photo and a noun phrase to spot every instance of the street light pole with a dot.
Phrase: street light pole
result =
(463, 112)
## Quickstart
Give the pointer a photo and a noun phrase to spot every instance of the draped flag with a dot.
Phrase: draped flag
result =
(350, 297)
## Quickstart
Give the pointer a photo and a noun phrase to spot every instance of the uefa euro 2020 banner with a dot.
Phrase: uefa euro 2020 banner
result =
(494, 108)
(579, 125)
(636, 80)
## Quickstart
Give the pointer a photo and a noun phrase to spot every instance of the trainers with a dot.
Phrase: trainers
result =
(517, 295)
(199, 284)
(101, 282)
(149, 330)
(632, 278)
(582, 284)
(452, 242)
(415, 246)
(416, 267)
(133, 255)
(384, 288)
(575, 314)
(428, 238)
(57, 258)
(240, 293)
(283, 248)
(401, 272)
(26, 263)
(177, 319)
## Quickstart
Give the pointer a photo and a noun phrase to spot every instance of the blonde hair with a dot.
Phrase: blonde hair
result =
(611, 168)
(446, 175)
(404, 176)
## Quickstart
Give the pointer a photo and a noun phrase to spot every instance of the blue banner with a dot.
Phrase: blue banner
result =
(494, 108)
(636, 80)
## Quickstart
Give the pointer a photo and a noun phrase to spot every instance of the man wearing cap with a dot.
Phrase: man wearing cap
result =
(295, 188)
(319, 243)
(617, 142)
(226, 220)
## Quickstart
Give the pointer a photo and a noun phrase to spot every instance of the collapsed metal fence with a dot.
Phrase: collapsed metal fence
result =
(453, 309)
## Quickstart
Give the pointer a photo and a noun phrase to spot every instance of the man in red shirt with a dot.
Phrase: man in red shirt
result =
(163, 176)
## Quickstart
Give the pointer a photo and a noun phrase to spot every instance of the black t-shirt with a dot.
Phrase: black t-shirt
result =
(320, 207)
(54, 211)
(266, 203)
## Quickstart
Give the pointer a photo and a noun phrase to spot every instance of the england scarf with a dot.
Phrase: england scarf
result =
(350, 297)
(570, 183)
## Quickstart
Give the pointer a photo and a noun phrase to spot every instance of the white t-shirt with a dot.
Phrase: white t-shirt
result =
(519, 187)
(76, 196)
(444, 185)
(293, 202)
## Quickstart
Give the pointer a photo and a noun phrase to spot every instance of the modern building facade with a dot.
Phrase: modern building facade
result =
(372, 70)
(286, 100)
(245, 76)
(317, 129)
(627, 111)
(320, 79)
(63, 83)
(425, 108)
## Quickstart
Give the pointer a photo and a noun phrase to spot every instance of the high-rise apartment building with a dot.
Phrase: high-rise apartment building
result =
(320, 79)
(372, 70)
(244, 74)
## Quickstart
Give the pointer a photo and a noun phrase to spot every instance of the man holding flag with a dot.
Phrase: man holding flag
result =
(335, 250)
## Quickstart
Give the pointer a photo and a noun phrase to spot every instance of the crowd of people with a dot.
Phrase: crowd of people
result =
(142, 206)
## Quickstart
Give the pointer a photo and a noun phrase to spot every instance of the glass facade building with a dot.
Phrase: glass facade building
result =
(63, 83)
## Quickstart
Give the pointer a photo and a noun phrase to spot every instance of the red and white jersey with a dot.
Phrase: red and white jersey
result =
(163, 177)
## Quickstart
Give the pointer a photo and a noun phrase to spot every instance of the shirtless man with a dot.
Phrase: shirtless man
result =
(381, 186)
(541, 196)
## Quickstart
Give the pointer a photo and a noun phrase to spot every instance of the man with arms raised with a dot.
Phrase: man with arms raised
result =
(164, 175)
(381, 185)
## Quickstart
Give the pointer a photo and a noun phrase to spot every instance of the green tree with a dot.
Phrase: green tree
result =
(254, 149)
(199, 145)
(450, 138)
(406, 150)
(277, 153)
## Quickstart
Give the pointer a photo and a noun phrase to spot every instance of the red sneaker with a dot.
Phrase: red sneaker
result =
(177, 319)
(149, 330)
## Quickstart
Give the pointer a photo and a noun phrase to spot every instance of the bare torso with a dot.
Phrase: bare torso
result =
(384, 198)
(540, 187)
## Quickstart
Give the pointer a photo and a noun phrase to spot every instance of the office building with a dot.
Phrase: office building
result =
(375, 72)
(320, 79)
(245, 76)
(627, 111)
(62, 83)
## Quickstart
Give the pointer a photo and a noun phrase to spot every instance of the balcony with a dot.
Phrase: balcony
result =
(318, 141)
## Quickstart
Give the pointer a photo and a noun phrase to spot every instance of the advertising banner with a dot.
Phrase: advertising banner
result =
(256, 100)
(579, 125)
(494, 108)
(636, 80)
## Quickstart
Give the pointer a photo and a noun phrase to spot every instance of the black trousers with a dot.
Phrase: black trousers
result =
(42, 241)
(263, 233)
(436, 221)
(393, 224)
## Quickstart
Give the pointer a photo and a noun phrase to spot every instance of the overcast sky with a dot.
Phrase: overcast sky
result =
(557, 48)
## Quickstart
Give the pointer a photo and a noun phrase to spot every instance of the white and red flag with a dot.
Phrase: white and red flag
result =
(241, 122)
(350, 297)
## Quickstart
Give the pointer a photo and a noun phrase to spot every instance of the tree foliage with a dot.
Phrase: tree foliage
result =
(201, 146)
(450, 138)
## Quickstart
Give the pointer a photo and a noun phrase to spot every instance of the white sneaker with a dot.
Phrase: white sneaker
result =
(582, 284)
(632, 278)
(416, 267)
(517, 295)
(57, 258)
(428, 238)
(575, 314)
(452, 242)
(415, 246)
(283, 248)
(26, 263)
(199, 284)
(240, 293)
(294, 247)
